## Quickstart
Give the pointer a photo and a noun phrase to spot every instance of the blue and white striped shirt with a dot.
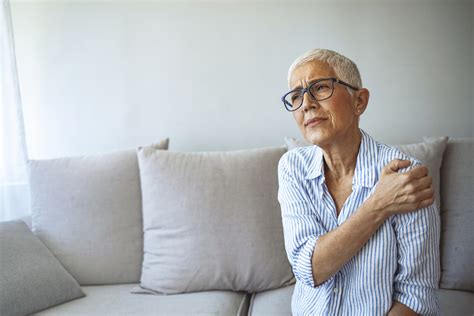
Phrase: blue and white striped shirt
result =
(399, 262)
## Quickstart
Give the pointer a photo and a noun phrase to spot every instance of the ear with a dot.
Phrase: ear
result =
(361, 100)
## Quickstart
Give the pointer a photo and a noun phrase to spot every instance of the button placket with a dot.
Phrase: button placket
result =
(337, 294)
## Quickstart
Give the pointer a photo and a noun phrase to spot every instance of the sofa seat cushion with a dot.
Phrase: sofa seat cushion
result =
(273, 302)
(117, 300)
(456, 302)
(278, 302)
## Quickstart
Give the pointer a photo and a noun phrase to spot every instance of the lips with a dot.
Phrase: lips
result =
(314, 121)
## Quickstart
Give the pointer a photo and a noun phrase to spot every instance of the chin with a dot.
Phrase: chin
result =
(316, 138)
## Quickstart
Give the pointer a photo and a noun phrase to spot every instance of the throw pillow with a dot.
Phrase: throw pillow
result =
(87, 211)
(212, 221)
(430, 152)
(31, 278)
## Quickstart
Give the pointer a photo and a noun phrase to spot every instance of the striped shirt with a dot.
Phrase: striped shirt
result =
(399, 262)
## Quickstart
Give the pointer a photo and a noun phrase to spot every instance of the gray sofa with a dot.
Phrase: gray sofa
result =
(456, 296)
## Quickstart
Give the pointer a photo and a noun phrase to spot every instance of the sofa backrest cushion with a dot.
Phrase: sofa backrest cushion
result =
(212, 221)
(457, 215)
(87, 211)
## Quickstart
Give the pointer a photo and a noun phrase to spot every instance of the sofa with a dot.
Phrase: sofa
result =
(154, 232)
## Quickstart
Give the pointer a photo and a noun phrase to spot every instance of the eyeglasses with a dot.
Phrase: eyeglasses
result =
(319, 90)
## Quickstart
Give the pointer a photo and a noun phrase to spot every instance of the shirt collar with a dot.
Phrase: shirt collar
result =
(366, 165)
(365, 172)
(315, 168)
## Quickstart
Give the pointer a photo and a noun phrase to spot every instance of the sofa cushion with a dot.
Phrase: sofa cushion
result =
(275, 302)
(456, 302)
(31, 278)
(87, 211)
(430, 152)
(212, 221)
(457, 226)
(117, 300)
(278, 302)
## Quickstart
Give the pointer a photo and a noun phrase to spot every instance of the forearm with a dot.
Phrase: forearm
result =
(337, 247)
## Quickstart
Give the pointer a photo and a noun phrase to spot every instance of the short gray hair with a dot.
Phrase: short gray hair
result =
(344, 68)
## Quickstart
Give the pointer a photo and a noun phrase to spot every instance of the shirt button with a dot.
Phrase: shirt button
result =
(335, 290)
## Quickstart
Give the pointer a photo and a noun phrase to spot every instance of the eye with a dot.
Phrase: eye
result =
(320, 87)
(295, 96)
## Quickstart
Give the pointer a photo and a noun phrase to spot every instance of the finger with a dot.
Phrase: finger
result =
(418, 203)
(396, 164)
(421, 183)
(425, 194)
(425, 203)
(417, 172)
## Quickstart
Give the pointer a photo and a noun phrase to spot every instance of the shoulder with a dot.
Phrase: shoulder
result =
(387, 153)
(298, 160)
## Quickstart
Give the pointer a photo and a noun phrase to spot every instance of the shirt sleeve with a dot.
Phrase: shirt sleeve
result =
(418, 272)
(301, 226)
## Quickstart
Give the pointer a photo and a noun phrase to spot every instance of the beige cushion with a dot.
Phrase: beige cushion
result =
(430, 152)
(111, 300)
(87, 211)
(278, 302)
(457, 226)
(212, 221)
(275, 302)
(31, 278)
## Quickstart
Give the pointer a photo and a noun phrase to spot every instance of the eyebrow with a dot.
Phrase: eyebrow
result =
(311, 82)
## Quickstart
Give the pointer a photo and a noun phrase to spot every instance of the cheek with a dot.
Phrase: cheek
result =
(341, 113)
(299, 118)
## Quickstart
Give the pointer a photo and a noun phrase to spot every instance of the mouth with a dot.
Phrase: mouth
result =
(314, 121)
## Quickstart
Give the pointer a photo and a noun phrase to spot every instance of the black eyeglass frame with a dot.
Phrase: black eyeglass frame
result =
(308, 88)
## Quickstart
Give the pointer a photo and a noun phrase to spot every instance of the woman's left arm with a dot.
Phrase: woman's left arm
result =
(417, 277)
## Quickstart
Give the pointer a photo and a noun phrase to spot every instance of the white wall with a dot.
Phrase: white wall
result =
(103, 75)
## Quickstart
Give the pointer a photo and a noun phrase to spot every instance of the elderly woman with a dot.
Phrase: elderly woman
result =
(360, 226)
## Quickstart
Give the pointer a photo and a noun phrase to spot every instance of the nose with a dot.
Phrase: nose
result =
(308, 102)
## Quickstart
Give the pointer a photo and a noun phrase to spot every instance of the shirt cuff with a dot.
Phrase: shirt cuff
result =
(422, 300)
(303, 269)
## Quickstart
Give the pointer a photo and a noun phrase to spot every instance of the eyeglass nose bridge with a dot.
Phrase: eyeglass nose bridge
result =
(308, 91)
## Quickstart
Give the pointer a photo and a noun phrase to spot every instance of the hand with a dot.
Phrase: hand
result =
(397, 193)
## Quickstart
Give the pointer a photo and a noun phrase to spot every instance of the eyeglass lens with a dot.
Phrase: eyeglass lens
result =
(319, 91)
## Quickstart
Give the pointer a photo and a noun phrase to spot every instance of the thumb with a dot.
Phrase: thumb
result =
(396, 164)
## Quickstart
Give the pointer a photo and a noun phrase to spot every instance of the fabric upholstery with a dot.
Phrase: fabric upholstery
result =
(278, 302)
(212, 221)
(31, 278)
(273, 302)
(457, 216)
(87, 211)
(430, 152)
(116, 300)
(459, 303)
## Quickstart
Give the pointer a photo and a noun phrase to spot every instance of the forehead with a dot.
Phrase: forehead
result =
(308, 72)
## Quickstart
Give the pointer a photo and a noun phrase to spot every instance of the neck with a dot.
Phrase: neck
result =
(340, 157)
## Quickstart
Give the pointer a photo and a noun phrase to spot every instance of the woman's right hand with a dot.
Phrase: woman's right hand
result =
(406, 192)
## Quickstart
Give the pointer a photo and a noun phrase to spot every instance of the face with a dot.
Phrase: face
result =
(326, 122)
